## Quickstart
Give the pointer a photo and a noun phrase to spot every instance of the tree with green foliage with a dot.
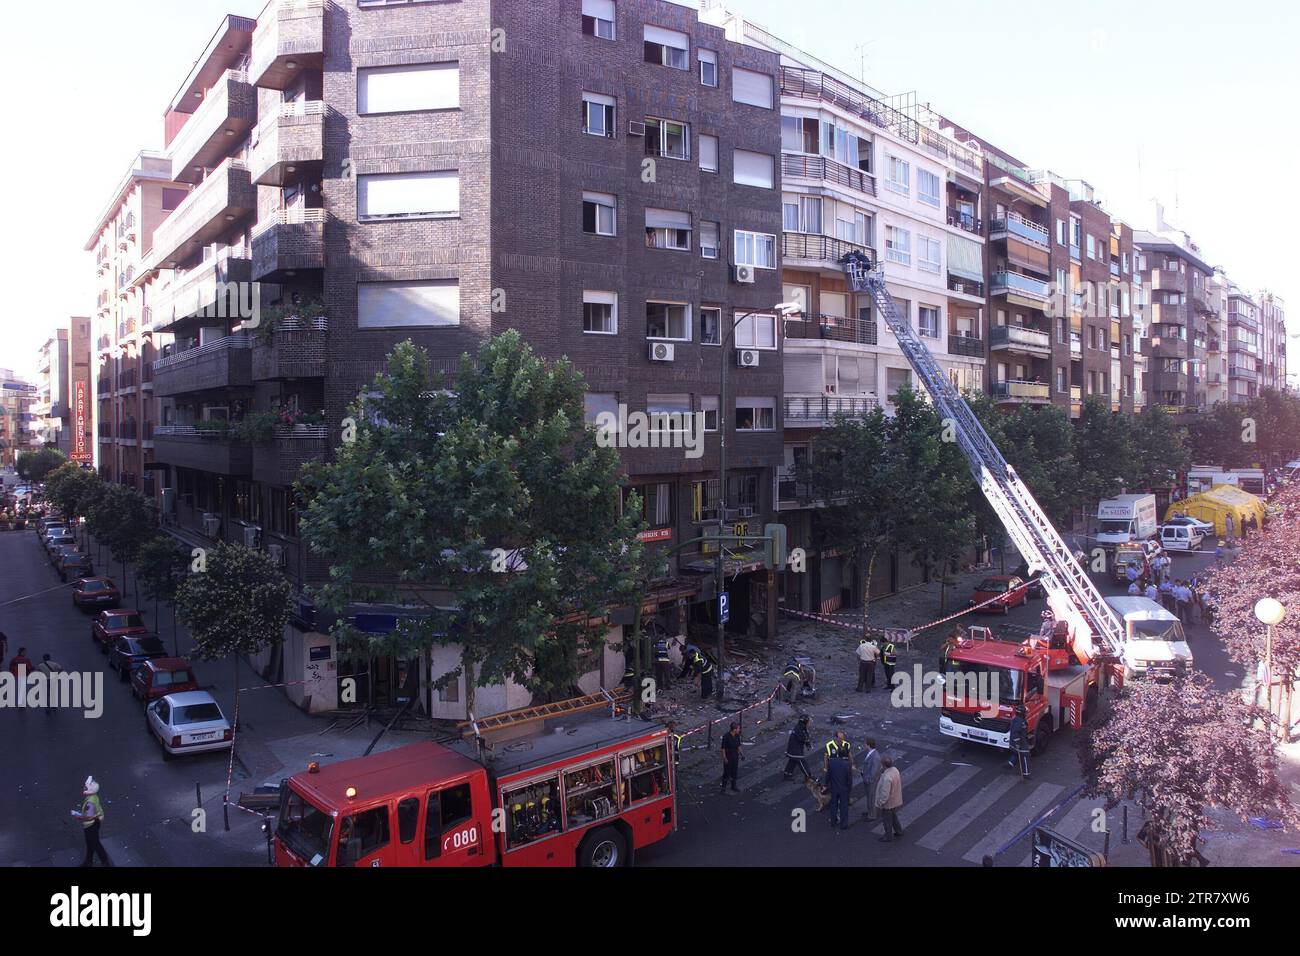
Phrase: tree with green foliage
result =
(1223, 436)
(1277, 427)
(73, 489)
(1103, 449)
(123, 519)
(160, 568)
(1160, 451)
(486, 502)
(239, 603)
(35, 465)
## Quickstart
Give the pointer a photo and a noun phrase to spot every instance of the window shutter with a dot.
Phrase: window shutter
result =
(399, 194)
(667, 219)
(601, 9)
(672, 38)
(753, 169)
(752, 88)
(708, 152)
(427, 303)
(401, 89)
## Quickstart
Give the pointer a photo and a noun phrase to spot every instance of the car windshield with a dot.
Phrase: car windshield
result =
(124, 620)
(195, 714)
(993, 585)
(170, 678)
(983, 680)
(1158, 631)
(1115, 527)
(150, 645)
(93, 586)
(303, 828)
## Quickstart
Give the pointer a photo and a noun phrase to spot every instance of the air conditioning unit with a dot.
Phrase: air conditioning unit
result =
(276, 553)
(252, 536)
(211, 525)
(747, 358)
(743, 274)
(661, 352)
(635, 128)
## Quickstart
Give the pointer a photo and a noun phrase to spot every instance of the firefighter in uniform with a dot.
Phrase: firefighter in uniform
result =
(676, 740)
(791, 678)
(663, 665)
(889, 659)
(794, 749)
(700, 664)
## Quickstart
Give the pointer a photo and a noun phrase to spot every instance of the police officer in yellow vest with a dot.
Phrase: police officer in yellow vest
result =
(838, 746)
(888, 659)
(91, 816)
(676, 740)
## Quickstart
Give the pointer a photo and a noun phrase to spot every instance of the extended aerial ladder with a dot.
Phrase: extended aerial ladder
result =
(1095, 632)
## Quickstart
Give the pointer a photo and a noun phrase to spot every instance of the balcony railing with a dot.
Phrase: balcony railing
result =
(1020, 227)
(230, 105)
(1114, 268)
(1018, 391)
(1002, 283)
(1245, 374)
(964, 220)
(799, 245)
(291, 137)
(813, 84)
(832, 328)
(128, 379)
(237, 341)
(822, 409)
(1017, 337)
(208, 211)
(967, 345)
(965, 286)
(290, 36)
(801, 166)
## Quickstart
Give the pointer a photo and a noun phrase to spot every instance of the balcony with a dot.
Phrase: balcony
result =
(800, 166)
(1243, 374)
(1168, 348)
(967, 345)
(1018, 226)
(184, 446)
(1168, 280)
(815, 411)
(820, 249)
(963, 286)
(227, 113)
(291, 240)
(295, 349)
(291, 138)
(225, 363)
(832, 328)
(220, 286)
(1114, 268)
(1014, 390)
(1165, 314)
(1019, 288)
(815, 85)
(128, 381)
(964, 220)
(1167, 381)
(278, 462)
(1014, 338)
(207, 213)
(290, 37)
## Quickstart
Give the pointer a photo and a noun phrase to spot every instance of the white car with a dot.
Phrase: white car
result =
(1181, 537)
(1206, 527)
(188, 723)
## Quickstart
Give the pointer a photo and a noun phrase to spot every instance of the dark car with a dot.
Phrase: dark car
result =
(1035, 586)
(1009, 590)
(75, 565)
(95, 592)
(127, 653)
(160, 676)
(62, 539)
(119, 622)
(61, 551)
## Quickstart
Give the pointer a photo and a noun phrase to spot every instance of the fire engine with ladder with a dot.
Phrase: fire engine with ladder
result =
(1057, 677)
(572, 783)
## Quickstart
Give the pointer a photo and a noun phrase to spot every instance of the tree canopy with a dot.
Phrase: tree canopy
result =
(238, 604)
(35, 465)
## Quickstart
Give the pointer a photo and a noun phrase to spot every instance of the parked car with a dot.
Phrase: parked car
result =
(74, 564)
(1010, 590)
(127, 652)
(1035, 587)
(160, 676)
(1206, 527)
(118, 622)
(1181, 537)
(187, 723)
(60, 538)
(95, 592)
(60, 551)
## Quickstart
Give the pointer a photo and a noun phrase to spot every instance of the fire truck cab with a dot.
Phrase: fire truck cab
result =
(589, 792)
(1039, 673)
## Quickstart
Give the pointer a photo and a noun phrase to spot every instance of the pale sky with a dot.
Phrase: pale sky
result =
(1144, 101)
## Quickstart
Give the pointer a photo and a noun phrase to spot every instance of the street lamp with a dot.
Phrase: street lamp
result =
(1270, 612)
(784, 310)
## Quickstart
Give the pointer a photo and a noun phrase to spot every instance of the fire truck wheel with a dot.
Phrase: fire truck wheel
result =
(607, 847)
(1043, 735)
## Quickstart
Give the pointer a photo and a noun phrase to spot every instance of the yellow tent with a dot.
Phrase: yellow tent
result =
(1217, 504)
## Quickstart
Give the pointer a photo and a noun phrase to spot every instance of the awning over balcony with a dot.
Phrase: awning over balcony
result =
(965, 258)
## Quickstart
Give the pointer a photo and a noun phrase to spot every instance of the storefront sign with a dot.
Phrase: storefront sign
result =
(656, 534)
(79, 450)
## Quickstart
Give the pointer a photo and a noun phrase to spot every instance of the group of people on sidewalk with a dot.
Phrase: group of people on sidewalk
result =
(21, 666)
(1181, 596)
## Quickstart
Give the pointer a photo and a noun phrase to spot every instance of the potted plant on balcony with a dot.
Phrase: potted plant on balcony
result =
(212, 428)
(256, 427)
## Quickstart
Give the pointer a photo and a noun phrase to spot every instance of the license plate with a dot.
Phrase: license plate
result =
(977, 734)
(196, 738)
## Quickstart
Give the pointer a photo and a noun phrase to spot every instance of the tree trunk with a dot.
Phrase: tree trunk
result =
(636, 657)
(943, 586)
(1284, 691)
(866, 586)
(467, 666)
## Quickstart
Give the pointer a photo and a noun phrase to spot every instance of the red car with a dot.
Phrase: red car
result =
(161, 676)
(1009, 590)
(95, 592)
(119, 622)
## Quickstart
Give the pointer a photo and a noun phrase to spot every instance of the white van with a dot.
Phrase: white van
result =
(1181, 537)
(1155, 645)
(1125, 519)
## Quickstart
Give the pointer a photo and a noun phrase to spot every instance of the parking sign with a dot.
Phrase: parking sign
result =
(724, 607)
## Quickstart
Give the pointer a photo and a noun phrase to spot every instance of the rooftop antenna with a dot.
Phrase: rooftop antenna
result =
(861, 50)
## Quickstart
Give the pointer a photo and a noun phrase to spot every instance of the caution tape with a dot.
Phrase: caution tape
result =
(886, 630)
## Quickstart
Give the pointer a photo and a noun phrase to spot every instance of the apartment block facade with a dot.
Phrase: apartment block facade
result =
(64, 411)
(1216, 351)
(1245, 357)
(17, 420)
(1272, 327)
(1180, 307)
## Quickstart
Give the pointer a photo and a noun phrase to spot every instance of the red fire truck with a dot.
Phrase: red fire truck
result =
(1041, 674)
(579, 789)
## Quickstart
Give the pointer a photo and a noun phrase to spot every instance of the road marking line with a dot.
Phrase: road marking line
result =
(966, 814)
(1014, 822)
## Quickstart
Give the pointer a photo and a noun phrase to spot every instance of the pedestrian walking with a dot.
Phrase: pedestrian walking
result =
(20, 660)
(839, 781)
(867, 656)
(889, 660)
(1019, 740)
(889, 798)
(49, 668)
(870, 775)
(731, 758)
(796, 747)
(91, 817)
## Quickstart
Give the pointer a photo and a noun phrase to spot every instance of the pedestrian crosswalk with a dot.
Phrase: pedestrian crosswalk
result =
(961, 804)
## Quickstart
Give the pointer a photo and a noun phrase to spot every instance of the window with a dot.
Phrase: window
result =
(667, 138)
(656, 500)
(408, 815)
(667, 47)
(1061, 382)
(668, 413)
(598, 114)
(710, 240)
(668, 229)
(366, 832)
(171, 198)
(408, 195)
(708, 67)
(898, 245)
(755, 331)
(710, 326)
(803, 214)
(899, 176)
(704, 494)
(929, 257)
(752, 88)
(753, 169)
(1060, 232)
(927, 187)
(896, 378)
(598, 18)
(927, 320)
(599, 312)
(429, 303)
(668, 320)
(755, 414)
(756, 249)
(408, 89)
(708, 153)
(595, 404)
(709, 406)
(799, 134)
(1092, 247)
(598, 213)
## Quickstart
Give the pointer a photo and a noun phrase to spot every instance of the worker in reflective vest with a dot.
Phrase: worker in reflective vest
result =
(663, 665)
(676, 740)
(791, 677)
(838, 747)
(91, 816)
(704, 667)
(889, 658)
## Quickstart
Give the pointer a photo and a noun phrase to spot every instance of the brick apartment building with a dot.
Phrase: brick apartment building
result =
(50, 410)
(1245, 359)
(1272, 325)
(17, 434)
(64, 412)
